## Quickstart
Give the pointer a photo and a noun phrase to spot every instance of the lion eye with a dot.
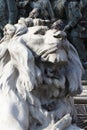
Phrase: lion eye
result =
(59, 36)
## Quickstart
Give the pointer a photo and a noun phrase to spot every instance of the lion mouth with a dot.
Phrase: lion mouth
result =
(54, 77)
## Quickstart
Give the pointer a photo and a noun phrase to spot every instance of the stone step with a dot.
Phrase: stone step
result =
(82, 98)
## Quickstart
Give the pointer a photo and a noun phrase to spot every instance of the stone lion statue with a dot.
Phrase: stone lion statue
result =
(40, 71)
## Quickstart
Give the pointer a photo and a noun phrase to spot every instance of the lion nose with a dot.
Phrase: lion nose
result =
(61, 35)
